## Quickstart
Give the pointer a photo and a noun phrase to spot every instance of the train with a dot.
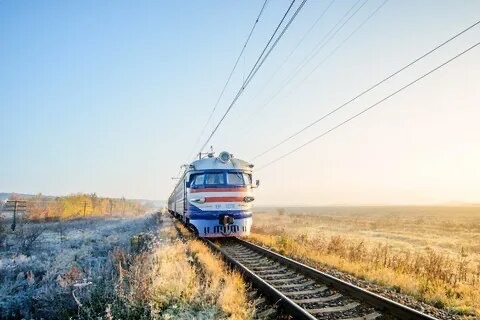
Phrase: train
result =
(214, 196)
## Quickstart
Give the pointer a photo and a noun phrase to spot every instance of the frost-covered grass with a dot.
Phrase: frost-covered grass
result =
(44, 265)
(107, 268)
(174, 279)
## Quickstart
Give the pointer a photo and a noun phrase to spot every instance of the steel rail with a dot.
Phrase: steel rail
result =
(267, 290)
(382, 304)
(387, 307)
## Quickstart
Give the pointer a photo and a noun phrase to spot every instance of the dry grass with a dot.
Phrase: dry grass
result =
(224, 287)
(174, 280)
(430, 253)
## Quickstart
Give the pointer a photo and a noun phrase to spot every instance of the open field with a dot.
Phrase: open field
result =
(431, 253)
(114, 268)
(42, 263)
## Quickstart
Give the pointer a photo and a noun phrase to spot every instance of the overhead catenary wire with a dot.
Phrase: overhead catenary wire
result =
(232, 71)
(366, 90)
(317, 49)
(261, 59)
(370, 16)
(369, 108)
(247, 79)
(322, 14)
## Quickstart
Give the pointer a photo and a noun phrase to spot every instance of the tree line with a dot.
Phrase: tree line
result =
(76, 206)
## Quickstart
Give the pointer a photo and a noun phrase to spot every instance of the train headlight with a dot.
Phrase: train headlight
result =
(198, 200)
(248, 199)
(224, 156)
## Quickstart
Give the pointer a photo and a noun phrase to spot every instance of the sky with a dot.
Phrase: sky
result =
(111, 97)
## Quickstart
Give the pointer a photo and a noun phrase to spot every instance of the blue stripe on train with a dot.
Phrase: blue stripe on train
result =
(194, 209)
(195, 213)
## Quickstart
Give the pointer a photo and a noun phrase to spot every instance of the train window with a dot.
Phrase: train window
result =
(215, 178)
(198, 180)
(248, 178)
(235, 178)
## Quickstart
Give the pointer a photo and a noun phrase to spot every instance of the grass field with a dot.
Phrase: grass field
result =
(114, 268)
(431, 253)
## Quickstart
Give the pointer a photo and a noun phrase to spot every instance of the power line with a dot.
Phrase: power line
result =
(258, 64)
(324, 59)
(246, 81)
(367, 90)
(232, 71)
(296, 47)
(249, 118)
(343, 41)
(328, 56)
(370, 107)
(320, 45)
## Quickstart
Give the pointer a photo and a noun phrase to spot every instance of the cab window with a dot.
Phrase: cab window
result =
(215, 178)
(248, 178)
(235, 178)
(198, 180)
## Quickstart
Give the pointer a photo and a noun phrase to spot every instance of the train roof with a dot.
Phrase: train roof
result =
(223, 161)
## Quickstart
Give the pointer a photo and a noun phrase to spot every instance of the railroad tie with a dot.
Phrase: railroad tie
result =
(246, 256)
(320, 299)
(267, 272)
(265, 267)
(371, 316)
(296, 285)
(241, 252)
(346, 307)
(299, 287)
(285, 280)
(305, 292)
(255, 260)
(267, 275)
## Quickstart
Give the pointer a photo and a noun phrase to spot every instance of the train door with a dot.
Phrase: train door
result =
(185, 197)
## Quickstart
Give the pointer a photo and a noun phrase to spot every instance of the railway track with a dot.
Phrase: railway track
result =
(306, 293)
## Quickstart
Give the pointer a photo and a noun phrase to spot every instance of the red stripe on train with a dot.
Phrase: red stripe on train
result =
(219, 190)
(224, 199)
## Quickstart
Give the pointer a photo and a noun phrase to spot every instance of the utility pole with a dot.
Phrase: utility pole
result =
(16, 207)
(15, 216)
(84, 208)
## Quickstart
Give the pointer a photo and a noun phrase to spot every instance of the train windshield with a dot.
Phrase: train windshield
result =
(198, 180)
(215, 178)
(235, 178)
(239, 179)
(221, 178)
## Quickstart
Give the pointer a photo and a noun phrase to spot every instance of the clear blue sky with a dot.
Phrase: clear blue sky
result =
(110, 96)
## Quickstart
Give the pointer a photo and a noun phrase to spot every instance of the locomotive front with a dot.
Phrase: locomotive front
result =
(217, 194)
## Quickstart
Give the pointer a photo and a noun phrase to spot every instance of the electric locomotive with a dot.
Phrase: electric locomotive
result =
(214, 196)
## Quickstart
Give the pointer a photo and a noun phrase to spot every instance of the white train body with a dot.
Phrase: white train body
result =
(214, 196)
